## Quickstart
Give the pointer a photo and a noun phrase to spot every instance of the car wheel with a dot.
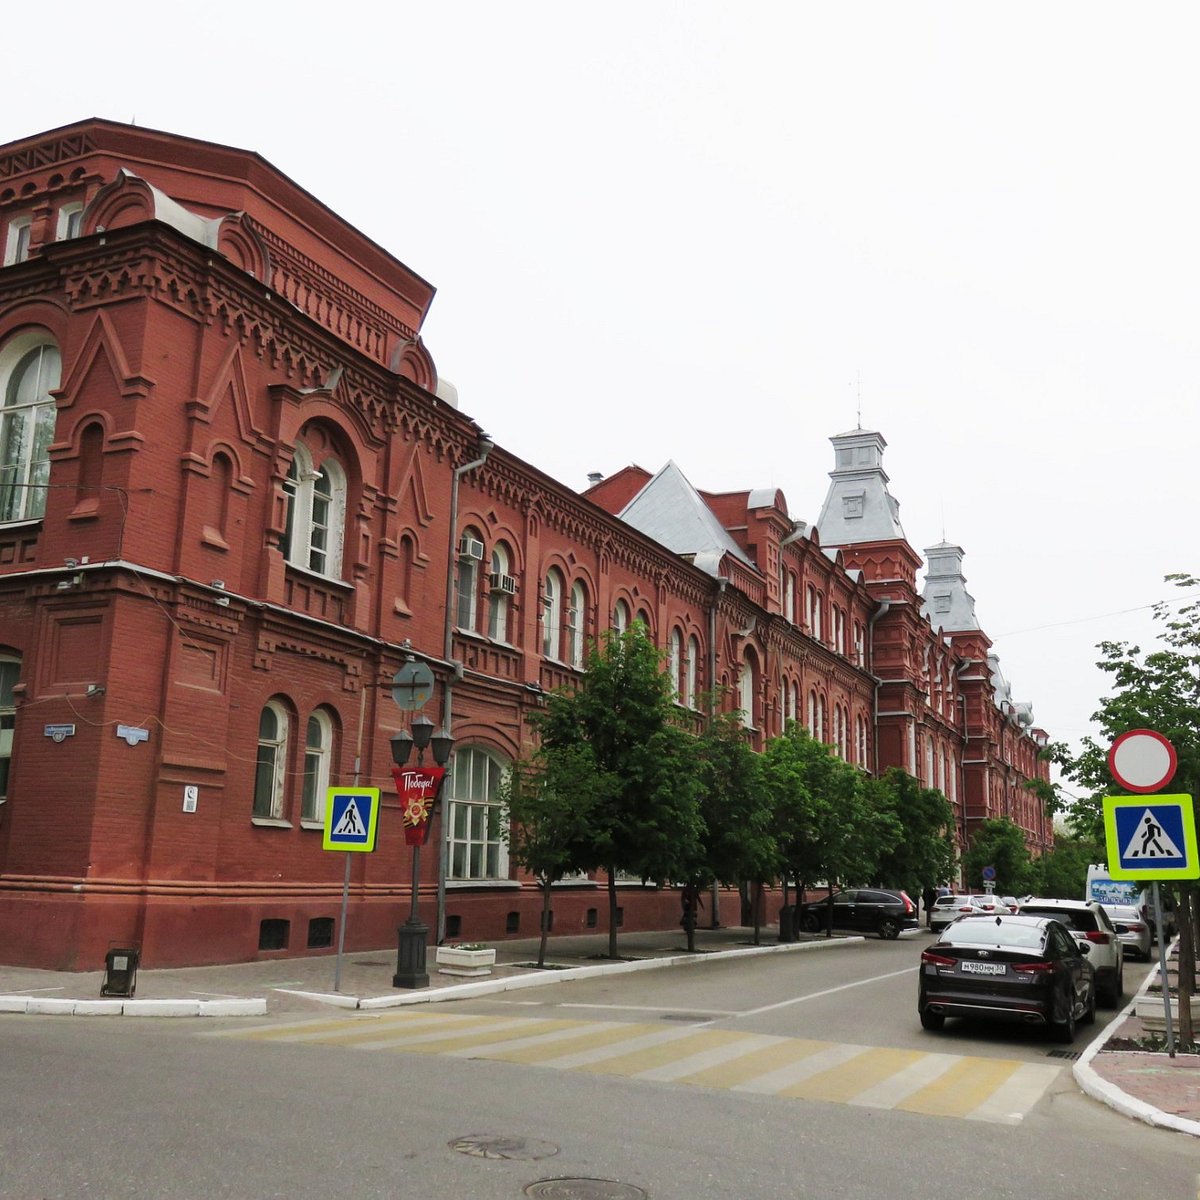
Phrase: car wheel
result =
(889, 928)
(932, 1020)
(809, 923)
(1115, 990)
(1089, 1013)
(1064, 1031)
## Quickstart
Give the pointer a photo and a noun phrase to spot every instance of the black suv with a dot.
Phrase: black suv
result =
(869, 910)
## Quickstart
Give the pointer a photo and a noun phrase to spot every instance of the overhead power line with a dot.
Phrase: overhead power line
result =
(1120, 612)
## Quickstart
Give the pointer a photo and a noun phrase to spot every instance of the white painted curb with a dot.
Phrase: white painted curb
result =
(1108, 1093)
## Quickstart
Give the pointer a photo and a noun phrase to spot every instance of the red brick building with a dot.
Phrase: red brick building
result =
(235, 497)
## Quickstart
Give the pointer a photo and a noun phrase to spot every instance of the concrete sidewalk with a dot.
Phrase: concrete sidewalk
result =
(307, 984)
(1149, 1087)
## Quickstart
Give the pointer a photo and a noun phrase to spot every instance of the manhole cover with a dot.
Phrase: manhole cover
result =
(584, 1189)
(489, 1145)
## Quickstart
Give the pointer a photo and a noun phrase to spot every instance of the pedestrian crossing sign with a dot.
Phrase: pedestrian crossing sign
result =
(1151, 837)
(351, 818)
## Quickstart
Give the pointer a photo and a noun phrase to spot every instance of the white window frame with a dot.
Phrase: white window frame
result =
(17, 244)
(675, 664)
(316, 514)
(475, 847)
(27, 426)
(318, 754)
(10, 672)
(70, 221)
(746, 692)
(622, 615)
(466, 585)
(691, 671)
(552, 614)
(270, 769)
(576, 617)
(498, 600)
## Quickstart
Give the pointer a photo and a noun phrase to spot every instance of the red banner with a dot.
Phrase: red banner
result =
(417, 788)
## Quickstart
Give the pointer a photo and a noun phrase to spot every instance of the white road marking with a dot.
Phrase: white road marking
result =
(753, 1012)
(675, 1008)
(904, 1083)
(784, 1077)
(708, 1058)
(1016, 1096)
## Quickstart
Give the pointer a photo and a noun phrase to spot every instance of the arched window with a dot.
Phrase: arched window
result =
(812, 713)
(10, 669)
(552, 614)
(470, 555)
(841, 731)
(576, 616)
(820, 734)
(316, 513)
(860, 649)
(746, 691)
(404, 575)
(475, 847)
(500, 586)
(318, 750)
(692, 672)
(789, 596)
(621, 617)
(216, 528)
(270, 769)
(675, 664)
(29, 371)
(860, 725)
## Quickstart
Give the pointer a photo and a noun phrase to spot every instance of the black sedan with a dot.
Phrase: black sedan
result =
(871, 910)
(1008, 968)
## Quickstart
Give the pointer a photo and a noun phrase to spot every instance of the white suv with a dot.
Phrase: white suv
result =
(1088, 922)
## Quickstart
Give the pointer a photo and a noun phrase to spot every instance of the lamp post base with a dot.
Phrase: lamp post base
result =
(410, 956)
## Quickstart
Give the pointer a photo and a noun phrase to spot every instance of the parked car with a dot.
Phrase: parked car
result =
(869, 910)
(988, 903)
(1132, 928)
(950, 908)
(1008, 968)
(1088, 922)
(1011, 901)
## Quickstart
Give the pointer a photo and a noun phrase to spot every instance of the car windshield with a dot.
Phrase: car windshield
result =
(1118, 913)
(967, 931)
(1081, 919)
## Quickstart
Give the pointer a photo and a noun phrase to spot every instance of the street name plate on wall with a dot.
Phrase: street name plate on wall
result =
(59, 733)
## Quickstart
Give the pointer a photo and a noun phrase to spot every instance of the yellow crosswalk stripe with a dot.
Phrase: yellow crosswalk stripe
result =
(995, 1090)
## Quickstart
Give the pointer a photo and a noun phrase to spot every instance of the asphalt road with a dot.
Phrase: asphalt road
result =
(384, 1105)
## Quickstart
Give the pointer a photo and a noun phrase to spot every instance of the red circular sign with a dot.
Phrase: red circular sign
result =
(1142, 760)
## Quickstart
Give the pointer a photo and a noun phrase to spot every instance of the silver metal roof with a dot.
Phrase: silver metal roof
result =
(672, 512)
(858, 506)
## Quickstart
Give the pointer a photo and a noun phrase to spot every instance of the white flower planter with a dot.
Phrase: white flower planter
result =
(454, 961)
(1149, 1010)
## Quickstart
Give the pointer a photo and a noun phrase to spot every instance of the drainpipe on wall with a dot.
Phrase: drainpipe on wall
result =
(485, 448)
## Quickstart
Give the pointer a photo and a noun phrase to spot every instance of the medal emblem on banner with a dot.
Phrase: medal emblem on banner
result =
(418, 789)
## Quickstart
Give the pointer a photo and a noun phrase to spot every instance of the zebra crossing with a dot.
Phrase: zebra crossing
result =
(996, 1090)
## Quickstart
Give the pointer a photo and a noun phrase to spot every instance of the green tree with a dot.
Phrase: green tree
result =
(823, 827)
(923, 854)
(738, 839)
(1062, 872)
(551, 803)
(999, 844)
(620, 724)
(1160, 690)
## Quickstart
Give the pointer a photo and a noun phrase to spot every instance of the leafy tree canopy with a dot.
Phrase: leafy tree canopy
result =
(923, 854)
(1000, 844)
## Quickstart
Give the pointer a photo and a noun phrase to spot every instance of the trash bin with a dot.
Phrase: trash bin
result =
(120, 971)
(787, 923)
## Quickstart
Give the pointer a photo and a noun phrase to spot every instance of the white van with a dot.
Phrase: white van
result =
(1106, 890)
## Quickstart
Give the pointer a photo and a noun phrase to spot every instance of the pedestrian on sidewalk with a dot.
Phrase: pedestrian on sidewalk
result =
(928, 898)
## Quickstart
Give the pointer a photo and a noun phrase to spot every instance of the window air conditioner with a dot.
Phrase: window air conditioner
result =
(470, 547)
(502, 583)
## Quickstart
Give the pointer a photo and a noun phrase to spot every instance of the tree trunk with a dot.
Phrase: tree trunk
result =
(1186, 965)
(714, 911)
(612, 912)
(757, 907)
(545, 923)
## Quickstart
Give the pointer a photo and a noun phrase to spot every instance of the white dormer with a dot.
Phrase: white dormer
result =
(858, 506)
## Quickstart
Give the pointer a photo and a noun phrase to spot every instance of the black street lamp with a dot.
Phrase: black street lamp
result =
(413, 935)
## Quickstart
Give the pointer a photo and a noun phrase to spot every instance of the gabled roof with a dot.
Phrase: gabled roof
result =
(671, 511)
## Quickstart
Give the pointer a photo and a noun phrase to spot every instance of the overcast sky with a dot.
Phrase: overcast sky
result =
(702, 231)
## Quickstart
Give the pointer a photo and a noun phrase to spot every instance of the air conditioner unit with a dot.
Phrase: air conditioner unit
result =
(470, 547)
(502, 583)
